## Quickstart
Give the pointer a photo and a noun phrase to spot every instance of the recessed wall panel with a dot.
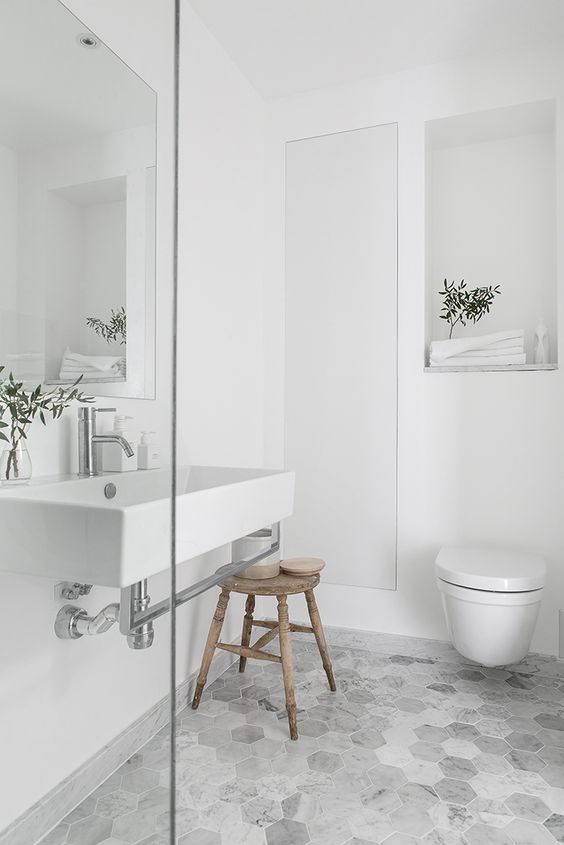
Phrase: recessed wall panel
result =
(341, 343)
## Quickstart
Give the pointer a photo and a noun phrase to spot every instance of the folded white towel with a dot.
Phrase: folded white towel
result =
(97, 362)
(85, 368)
(490, 352)
(70, 375)
(476, 361)
(443, 349)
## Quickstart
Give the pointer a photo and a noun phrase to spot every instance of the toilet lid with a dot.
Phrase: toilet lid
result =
(491, 569)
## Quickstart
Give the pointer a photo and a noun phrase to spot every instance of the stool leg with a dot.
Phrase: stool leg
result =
(247, 628)
(211, 643)
(287, 664)
(320, 637)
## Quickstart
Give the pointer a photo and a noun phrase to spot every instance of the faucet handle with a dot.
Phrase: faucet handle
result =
(105, 410)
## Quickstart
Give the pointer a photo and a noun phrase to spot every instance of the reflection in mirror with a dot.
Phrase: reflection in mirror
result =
(77, 206)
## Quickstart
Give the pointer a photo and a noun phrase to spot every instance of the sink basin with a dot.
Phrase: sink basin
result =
(66, 529)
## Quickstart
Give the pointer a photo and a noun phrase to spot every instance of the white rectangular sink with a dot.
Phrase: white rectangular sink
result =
(68, 530)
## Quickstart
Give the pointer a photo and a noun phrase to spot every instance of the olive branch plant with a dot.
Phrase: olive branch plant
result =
(21, 407)
(115, 328)
(462, 304)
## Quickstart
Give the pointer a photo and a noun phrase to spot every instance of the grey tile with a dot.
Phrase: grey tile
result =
(411, 819)
(380, 799)
(455, 791)
(140, 780)
(300, 806)
(555, 826)
(325, 761)
(287, 832)
(481, 834)
(116, 804)
(418, 795)
(415, 747)
(134, 826)
(525, 760)
(89, 831)
(247, 733)
(528, 833)
(261, 812)
(527, 807)
(328, 829)
(458, 768)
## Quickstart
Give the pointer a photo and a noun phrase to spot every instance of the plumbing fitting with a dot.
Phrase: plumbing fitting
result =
(74, 622)
(134, 612)
(143, 636)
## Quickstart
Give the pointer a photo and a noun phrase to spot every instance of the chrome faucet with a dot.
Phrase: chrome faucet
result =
(88, 441)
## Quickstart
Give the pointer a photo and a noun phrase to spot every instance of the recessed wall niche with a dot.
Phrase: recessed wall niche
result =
(491, 219)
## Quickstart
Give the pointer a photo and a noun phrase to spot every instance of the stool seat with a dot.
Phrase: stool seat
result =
(287, 585)
(280, 586)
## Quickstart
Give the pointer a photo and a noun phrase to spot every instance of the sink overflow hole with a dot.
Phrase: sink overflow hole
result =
(110, 490)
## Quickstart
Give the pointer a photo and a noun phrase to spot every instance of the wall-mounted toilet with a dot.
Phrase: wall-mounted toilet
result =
(491, 600)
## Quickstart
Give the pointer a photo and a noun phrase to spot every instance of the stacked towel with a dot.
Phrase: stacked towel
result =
(75, 365)
(498, 349)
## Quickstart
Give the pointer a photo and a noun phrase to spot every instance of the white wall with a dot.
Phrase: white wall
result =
(480, 455)
(220, 327)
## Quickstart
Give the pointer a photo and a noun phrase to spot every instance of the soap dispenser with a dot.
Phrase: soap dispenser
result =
(115, 459)
(148, 455)
(541, 343)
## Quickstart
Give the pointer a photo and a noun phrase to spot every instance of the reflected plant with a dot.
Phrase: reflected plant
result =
(20, 407)
(115, 328)
(462, 304)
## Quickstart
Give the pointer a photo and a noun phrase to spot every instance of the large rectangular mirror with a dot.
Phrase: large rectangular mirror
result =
(77, 206)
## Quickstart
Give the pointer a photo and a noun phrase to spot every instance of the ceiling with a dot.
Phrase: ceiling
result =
(53, 90)
(286, 47)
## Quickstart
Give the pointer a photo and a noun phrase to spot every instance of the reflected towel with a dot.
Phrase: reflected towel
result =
(491, 352)
(102, 363)
(443, 349)
(484, 361)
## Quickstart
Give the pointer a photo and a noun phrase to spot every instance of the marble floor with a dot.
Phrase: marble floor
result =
(416, 746)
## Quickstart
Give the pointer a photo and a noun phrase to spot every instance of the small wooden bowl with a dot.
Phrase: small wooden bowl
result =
(302, 565)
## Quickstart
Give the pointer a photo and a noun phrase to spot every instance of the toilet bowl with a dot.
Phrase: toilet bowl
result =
(491, 599)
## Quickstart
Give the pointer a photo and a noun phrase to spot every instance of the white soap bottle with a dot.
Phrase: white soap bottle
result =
(114, 458)
(148, 455)
(541, 343)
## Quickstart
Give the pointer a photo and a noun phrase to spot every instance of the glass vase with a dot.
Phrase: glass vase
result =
(15, 465)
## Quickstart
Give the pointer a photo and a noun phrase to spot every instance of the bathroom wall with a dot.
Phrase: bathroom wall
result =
(60, 701)
(480, 454)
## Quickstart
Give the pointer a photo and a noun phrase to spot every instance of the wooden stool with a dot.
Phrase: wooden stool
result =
(282, 586)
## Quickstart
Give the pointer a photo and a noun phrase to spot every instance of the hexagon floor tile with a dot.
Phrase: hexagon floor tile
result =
(416, 747)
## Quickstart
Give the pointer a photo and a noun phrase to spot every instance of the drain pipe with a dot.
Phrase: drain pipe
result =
(73, 622)
(143, 636)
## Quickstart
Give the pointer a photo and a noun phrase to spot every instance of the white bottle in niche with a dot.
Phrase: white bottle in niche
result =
(114, 458)
(148, 455)
(541, 343)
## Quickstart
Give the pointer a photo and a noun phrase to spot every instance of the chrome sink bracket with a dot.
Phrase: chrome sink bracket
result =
(134, 613)
(71, 590)
(130, 620)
